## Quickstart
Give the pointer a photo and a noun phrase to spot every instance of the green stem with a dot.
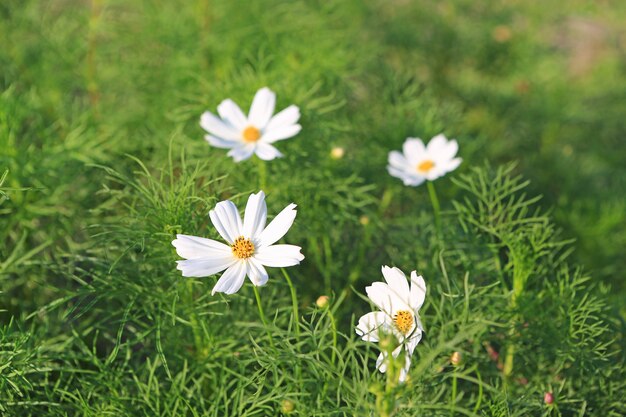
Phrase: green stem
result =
(333, 325)
(436, 208)
(262, 173)
(195, 326)
(262, 314)
(294, 303)
(453, 392)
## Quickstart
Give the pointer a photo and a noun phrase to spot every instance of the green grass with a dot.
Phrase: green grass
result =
(102, 162)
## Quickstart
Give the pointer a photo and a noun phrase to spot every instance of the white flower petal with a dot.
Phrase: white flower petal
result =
(232, 279)
(193, 247)
(280, 133)
(226, 220)
(437, 144)
(447, 152)
(398, 161)
(397, 281)
(255, 215)
(262, 108)
(453, 164)
(279, 226)
(257, 273)
(385, 298)
(220, 143)
(279, 255)
(418, 291)
(204, 267)
(371, 324)
(405, 369)
(242, 152)
(412, 342)
(266, 152)
(230, 111)
(286, 117)
(217, 127)
(414, 150)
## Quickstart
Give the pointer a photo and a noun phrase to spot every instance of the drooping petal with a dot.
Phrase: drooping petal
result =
(262, 108)
(412, 341)
(436, 144)
(242, 152)
(280, 133)
(405, 369)
(418, 291)
(257, 273)
(279, 255)
(371, 325)
(255, 215)
(286, 117)
(279, 226)
(194, 247)
(230, 111)
(215, 126)
(221, 143)
(413, 149)
(410, 179)
(232, 279)
(397, 281)
(266, 152)
(382, 363)
(204, 267)
(226, 220)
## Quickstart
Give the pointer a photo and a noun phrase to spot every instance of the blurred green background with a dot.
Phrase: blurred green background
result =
(541, 83)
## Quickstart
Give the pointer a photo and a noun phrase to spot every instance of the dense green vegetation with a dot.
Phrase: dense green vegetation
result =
(102, 162)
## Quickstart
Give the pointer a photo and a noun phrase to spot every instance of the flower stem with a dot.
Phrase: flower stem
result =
(294, 302)
(436, 208)
(262, 314)
(262, 173)
(452, 406)
(195, 326)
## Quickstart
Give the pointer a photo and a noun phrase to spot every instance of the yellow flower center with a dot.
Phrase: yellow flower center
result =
(403, 321)
(242, 248)
(426, 166)
(251, 134)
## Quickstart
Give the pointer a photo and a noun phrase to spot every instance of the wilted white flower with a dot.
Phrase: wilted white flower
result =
(255, 133)
(250, 245)
(418, 163)
(399, 307)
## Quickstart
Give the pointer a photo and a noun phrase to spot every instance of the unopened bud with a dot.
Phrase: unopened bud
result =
(337, 152)
(287, 406)
(501, 33)
(548, 398)
(456, 358)
(322, 301)
(364, 220)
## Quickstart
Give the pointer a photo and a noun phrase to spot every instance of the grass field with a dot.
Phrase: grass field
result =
(103, 162)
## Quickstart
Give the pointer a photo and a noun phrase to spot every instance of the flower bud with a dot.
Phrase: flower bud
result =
(548, 398)
(456, 358)
(287, 406)
(364, 220)
(322, 301)
(337, 152)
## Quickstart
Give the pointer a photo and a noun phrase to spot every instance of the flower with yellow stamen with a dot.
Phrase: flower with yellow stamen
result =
(250, 245)
(418, 162)
(252, 134)
(399, 306)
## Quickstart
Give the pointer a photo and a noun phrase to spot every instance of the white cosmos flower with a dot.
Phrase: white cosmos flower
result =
(250, 245)
(418, 163)
(399, 307)
(255, 133)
